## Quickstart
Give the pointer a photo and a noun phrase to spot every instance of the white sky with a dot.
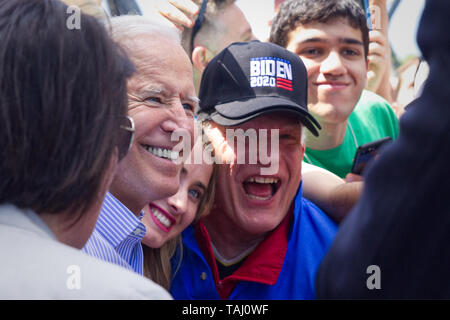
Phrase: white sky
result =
(403, 28)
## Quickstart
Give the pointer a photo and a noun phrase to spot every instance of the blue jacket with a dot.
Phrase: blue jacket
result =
(310, 235)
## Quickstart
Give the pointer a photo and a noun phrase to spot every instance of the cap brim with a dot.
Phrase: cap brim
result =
(240, 111)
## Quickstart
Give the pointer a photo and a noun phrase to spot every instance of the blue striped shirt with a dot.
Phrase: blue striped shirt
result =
(117, 236)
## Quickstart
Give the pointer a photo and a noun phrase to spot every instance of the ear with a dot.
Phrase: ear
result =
(200, 58)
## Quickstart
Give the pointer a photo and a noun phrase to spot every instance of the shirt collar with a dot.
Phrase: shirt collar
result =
(263, 265)
(117, 223)
(27, 219)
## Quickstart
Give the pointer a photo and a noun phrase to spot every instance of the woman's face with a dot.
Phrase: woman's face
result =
(164, 219)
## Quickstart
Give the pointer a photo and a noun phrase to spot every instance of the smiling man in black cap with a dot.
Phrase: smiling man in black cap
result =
(262, 240)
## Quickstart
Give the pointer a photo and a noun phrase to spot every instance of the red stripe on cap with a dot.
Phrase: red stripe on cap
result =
(284, 84)
(284, 80)
(284, 87)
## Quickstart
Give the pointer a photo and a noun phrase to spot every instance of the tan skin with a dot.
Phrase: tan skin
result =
(178, 13)
(379, 57)
(232, 26)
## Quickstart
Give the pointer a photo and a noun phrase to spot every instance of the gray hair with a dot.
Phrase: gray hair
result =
(124, 28)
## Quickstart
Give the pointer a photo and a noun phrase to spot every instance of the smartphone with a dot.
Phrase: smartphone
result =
(365, 153)
(364, 4)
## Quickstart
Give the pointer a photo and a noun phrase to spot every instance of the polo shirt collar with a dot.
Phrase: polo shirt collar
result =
(263, 265)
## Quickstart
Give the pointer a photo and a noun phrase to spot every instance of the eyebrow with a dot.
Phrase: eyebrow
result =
(148, 91)
(341, 40)
(200, 185)
(195, 100)
(145, 92)
(197, 183)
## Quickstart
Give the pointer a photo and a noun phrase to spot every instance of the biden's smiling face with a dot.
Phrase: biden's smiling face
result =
(161, 101)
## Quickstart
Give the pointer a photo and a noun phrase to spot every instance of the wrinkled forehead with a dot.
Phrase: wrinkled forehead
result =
(157, 51)
(162, 65)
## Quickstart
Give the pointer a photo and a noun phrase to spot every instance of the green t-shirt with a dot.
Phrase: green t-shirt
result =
(371, 120)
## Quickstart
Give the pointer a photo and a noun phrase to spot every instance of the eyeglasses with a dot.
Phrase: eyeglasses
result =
(126, 136)
(198, 23)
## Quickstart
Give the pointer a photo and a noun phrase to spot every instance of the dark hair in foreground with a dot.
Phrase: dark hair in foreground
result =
(62, 93)
(293, 13)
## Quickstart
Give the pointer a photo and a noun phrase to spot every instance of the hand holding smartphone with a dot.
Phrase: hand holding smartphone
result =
(364, 4)
(365, 153)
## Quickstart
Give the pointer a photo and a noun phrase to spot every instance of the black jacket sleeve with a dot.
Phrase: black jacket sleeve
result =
(402, 222)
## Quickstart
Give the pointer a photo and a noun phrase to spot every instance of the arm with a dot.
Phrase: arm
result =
(331, 193)
(379, 56)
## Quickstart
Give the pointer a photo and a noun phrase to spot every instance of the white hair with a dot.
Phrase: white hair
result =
(124, 28)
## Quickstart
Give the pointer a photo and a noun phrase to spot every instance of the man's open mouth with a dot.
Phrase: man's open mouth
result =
(261, 188)
(162, 152)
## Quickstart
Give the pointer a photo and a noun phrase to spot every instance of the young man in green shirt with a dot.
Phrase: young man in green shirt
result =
(332, 38)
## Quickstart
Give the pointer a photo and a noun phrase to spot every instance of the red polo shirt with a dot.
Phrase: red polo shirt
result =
(263, 265)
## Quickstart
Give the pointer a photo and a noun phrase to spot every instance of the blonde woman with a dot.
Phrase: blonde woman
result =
(165, 219)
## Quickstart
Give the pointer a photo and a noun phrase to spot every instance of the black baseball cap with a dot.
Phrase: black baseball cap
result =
(248, 79)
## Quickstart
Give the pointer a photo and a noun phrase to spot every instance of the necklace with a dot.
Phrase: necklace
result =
(354, 140)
